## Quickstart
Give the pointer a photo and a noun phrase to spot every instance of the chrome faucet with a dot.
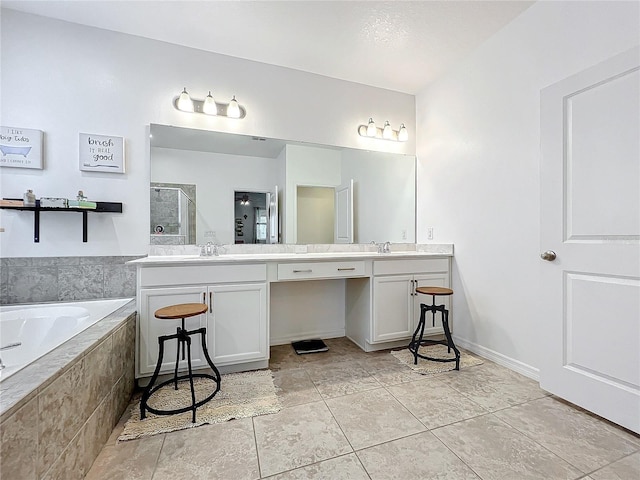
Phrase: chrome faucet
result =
(386, 248)
(209, 250)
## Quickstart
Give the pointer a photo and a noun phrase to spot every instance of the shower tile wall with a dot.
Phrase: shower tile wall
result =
(164, 212)
(55, 279)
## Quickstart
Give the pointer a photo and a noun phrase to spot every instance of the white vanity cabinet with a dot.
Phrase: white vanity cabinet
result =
(236, 320)
(396, 306)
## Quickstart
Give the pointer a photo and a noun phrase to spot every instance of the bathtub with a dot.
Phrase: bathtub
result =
(27, 332)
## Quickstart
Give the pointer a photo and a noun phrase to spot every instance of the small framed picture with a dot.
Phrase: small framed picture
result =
(101, 153)
(20, 147)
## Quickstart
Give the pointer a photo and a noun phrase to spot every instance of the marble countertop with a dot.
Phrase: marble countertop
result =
(421, 251)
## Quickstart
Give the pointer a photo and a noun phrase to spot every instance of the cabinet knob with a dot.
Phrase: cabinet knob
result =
(549, 255)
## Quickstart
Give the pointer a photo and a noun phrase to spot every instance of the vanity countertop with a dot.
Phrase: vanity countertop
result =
(425, 251)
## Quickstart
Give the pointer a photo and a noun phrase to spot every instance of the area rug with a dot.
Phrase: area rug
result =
(426, 367)
(241, 395)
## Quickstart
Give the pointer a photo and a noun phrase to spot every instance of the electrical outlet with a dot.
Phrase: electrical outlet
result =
(429, 233)
(404, 234)
(209, 233)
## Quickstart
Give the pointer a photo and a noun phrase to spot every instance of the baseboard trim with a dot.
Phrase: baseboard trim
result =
(508, 362)
(305, 336)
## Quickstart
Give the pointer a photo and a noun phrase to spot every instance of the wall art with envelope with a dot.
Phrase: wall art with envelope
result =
(20, 147)
(101, 153)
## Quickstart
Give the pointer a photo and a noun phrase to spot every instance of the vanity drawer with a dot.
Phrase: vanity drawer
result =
(201, 274)
(404, 266)
(303, 271)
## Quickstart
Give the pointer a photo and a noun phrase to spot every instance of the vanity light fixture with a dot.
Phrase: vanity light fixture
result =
(385, 133)
(184, 102)
(403, 135)
(209, 106)
(233, 110)
(371, 128)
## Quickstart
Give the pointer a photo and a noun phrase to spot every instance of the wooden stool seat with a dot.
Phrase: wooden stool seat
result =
(182, 310)
(434, 291)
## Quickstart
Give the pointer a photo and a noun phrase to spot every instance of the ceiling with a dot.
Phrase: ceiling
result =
(396, 45)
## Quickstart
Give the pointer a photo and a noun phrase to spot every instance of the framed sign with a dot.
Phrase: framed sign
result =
(20, 147)
(101, 153)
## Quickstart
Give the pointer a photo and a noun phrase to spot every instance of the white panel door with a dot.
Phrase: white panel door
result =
(590, 218)
(238, 323)
(392, 308)
(344, 213)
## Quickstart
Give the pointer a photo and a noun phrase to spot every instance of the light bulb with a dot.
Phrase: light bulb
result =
(403, 135)
(233, 110)
(184, 101)
(209, 107)
(371, 128)
(386, 131)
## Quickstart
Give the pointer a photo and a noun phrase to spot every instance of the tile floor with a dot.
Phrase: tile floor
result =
(354, 415)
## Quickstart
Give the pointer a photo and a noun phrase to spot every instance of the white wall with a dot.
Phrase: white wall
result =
(216, 176)
(64, 79)
(478, 170)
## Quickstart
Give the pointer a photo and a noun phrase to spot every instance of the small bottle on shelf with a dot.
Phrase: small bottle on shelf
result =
(29, 199)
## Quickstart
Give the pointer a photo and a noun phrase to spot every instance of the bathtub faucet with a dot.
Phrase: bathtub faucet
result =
(7, 347)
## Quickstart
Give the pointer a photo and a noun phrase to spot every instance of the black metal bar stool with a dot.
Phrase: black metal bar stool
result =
(417, 341)
(183, 336)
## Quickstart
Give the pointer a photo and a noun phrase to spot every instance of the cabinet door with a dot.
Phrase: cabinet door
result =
(151, 299)
(392, 308)
(431, 280)
(238, 323)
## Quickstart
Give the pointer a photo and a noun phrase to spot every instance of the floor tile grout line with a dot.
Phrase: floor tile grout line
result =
(456, 455)
(558, 454)
(155, 465)
(609, 464)
(538, 443)
(255, 442)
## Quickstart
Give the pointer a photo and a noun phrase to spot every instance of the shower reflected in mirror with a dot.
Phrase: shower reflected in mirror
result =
(173, 214)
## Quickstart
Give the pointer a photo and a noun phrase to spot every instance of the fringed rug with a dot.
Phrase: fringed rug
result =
(426, 367)
(241, 395)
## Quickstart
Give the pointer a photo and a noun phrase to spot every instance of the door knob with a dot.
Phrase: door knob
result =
(549, 255)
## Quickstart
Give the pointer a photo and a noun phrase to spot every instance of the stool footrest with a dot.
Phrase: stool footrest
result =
(187, 408)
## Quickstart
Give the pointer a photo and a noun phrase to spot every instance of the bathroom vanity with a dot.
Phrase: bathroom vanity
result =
(258, 300)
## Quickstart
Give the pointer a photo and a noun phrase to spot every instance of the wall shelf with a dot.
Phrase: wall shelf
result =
(101, 207)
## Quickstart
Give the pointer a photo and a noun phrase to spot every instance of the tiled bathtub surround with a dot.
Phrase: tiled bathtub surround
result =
(63, 279)
(57, 413)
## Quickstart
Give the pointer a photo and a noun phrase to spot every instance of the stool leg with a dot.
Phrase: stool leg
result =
(203, 332)
(423, 309)
(447, 333)
(154, 377)
(179, 340)
(193, 391)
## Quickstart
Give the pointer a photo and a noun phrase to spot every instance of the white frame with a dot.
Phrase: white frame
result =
(21, 148)
(106, 156)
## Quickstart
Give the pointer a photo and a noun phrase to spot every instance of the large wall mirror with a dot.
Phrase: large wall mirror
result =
(225, 188)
